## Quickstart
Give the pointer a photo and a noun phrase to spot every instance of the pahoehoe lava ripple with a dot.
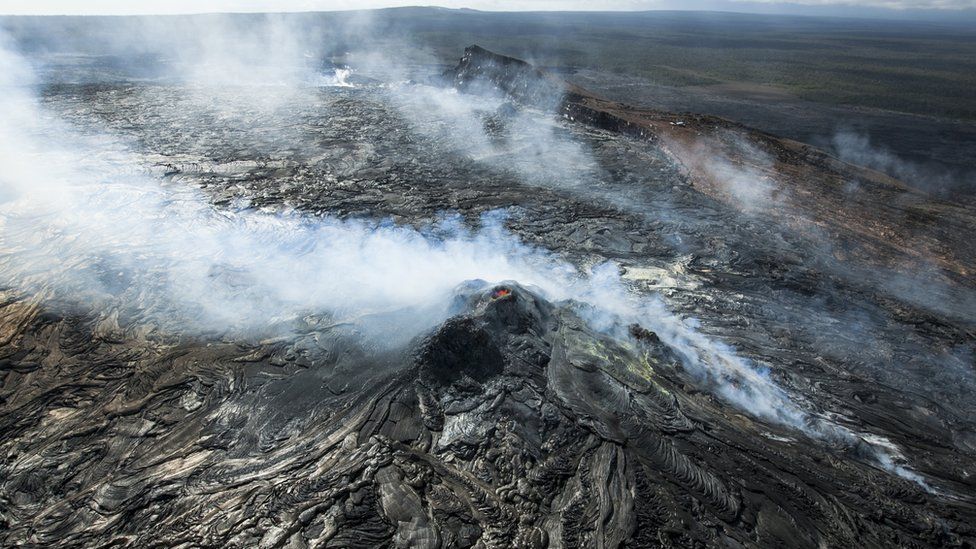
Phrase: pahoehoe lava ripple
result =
(517, 421)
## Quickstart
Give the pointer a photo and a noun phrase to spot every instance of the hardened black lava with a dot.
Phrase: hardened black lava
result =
(515, 423)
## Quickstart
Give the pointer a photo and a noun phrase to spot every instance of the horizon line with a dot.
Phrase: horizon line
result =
(971, 11)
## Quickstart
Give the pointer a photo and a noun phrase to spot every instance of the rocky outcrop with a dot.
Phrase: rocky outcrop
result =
(748, 169)
(482, 71)
(512, 424)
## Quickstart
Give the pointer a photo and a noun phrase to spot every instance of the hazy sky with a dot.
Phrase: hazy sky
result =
(76, 7)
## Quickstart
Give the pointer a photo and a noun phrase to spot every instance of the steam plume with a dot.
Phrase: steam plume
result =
(83, 223)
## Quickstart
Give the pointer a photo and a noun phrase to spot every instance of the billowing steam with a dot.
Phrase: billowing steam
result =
(857, 148)
(339, 78)
(82, 224)
(490, 130)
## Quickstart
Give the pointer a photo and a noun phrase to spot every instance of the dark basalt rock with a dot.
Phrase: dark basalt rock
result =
(482, 71)
(513, 423)
(460, 348)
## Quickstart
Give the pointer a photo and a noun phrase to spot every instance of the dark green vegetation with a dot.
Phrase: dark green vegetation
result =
(920, 68)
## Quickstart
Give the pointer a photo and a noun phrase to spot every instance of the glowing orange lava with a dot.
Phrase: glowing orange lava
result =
(500, 293)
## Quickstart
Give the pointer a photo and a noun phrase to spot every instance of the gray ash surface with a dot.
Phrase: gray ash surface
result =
(515, 421)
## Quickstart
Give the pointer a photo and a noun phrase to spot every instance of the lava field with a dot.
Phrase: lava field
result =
(477, 308)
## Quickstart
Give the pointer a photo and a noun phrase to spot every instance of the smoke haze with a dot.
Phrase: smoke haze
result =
(84, 223)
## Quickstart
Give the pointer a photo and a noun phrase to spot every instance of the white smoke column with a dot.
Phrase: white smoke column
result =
(735, 169)
(81, 222)
(529, 144)
(720, 369)
(228, 50)
(338, 79)
(858, 149)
